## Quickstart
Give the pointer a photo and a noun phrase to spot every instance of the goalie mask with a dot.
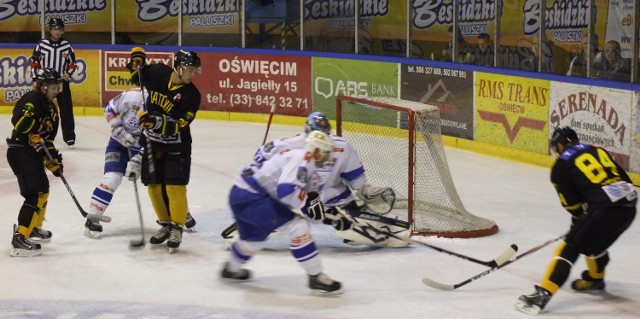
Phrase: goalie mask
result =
(317, 121)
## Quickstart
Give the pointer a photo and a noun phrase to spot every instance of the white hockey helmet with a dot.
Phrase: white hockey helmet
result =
(318, 140)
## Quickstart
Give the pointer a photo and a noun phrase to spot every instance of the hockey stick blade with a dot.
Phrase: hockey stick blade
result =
(438, 285)
(501, 259)
(84, 214)
(505, 256)
(135, 243)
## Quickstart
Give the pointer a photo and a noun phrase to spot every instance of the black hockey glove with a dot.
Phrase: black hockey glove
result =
(54, 166)
(313, 206)
(158, 123)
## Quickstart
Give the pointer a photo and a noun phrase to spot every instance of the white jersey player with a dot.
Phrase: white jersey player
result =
(343, 173)
(121, 155)
(279, 194)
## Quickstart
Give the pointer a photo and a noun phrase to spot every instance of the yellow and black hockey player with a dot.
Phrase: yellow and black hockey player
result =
(35, 125)
(602, 201)
(166, 162)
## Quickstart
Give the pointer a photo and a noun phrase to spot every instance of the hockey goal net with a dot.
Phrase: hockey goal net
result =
(400, 145)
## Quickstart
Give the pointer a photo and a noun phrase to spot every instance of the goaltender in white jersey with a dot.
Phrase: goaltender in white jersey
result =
(341, 174)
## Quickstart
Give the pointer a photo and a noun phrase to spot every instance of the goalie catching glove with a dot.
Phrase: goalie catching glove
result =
(313, 206)
(378, 200)
(133, 167)
(158, 123)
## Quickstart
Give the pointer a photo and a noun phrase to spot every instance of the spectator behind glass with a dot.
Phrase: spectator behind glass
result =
(546, 55)
(483, 54)
(611, 65)
(464, 52)
(578, 65)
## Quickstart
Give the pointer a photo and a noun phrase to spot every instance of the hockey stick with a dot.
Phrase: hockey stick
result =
(437, 285)
(133, 242)
(137, 243)
(226, 233)
(573, 61)
(98, 217)
(273, 109)
(379, 218)
(150, 163)
(501, 259)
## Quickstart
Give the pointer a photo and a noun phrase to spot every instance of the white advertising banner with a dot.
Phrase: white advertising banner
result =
(600, 116)
(620, 24)
(634, 166)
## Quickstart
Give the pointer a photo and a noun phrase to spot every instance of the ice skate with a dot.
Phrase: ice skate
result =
(322, 284)
(162, 235)
(40, 235)
(588, 284)
(21, 246)
(241, 274)
(191, 222)
(92, 229)
(533, 303)
(175, 237)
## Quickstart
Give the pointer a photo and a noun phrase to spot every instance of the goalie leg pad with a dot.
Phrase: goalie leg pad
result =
(360, 234)
(379, 200)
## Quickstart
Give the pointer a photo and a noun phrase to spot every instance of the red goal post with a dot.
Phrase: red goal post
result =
(400, 145)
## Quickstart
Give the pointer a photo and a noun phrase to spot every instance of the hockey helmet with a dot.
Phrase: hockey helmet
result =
(564, 136)
(55, 24)
(138, 52)
(318, 140)
(317, 121)
(48, 76)
(185, 58)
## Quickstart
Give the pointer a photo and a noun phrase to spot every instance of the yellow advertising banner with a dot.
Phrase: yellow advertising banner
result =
(512, 112)
(162, 16)
(81, 16)
(16, 77)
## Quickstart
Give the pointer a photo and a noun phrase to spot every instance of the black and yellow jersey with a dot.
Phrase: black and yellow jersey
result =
(33, 115)
(179, 102)
(587, 174)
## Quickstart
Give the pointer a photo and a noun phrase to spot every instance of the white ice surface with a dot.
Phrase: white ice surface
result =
(78, 277)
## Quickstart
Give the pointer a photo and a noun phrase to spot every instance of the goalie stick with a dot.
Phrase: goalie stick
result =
(227, 232)
(98, 217)
(501, 259)
(438, 285)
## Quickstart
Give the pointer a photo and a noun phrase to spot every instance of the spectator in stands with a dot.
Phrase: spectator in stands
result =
(546, 55)
(578, 65)
(610, 65)
(483, 54)
(464, 52)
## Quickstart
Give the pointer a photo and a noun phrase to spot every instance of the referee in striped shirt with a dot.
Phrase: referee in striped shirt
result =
(57, 53)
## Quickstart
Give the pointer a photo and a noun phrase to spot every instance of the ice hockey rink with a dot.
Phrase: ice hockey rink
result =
(78, 277)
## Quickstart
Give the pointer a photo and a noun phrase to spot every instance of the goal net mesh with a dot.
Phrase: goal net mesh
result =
(400, 145)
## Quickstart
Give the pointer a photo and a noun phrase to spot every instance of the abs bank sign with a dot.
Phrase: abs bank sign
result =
(333, 77)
